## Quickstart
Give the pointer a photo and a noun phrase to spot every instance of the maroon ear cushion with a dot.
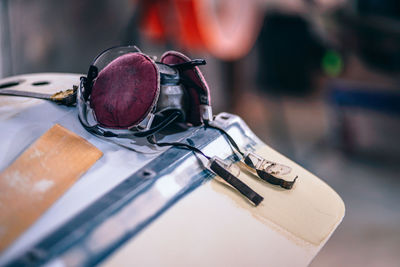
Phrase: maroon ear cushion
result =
(195, 75)
(125, 91)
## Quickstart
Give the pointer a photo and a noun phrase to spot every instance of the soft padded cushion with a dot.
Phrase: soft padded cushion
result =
(195, 75)
(125, 91)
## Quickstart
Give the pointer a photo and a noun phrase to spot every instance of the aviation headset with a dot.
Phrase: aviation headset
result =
(126, 94)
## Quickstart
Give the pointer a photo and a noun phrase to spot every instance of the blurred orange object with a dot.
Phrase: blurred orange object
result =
(227, 29)
(151, 21)
(189, 36)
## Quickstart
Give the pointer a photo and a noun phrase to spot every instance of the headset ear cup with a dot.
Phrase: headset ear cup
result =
(195, 85)
(125, 91)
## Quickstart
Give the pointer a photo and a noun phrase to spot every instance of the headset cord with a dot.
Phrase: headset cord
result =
(264, 175)
(216, 166)
(231, 140)
(162, 125)
(152, 140)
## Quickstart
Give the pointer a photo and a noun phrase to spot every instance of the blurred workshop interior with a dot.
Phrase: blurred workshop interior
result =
(317, 80)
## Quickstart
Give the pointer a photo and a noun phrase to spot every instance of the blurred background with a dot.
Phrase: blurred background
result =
(318, 80)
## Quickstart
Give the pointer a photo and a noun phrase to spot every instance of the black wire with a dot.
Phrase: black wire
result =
(217, 168)
(98, 131)
(152, 140)
(171, 118)
(233, 143)
(262, 174)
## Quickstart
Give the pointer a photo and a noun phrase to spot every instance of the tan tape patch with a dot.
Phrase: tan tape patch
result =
(39, 176)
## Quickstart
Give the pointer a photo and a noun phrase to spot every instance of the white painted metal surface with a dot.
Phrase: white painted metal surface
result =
(210, 226)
